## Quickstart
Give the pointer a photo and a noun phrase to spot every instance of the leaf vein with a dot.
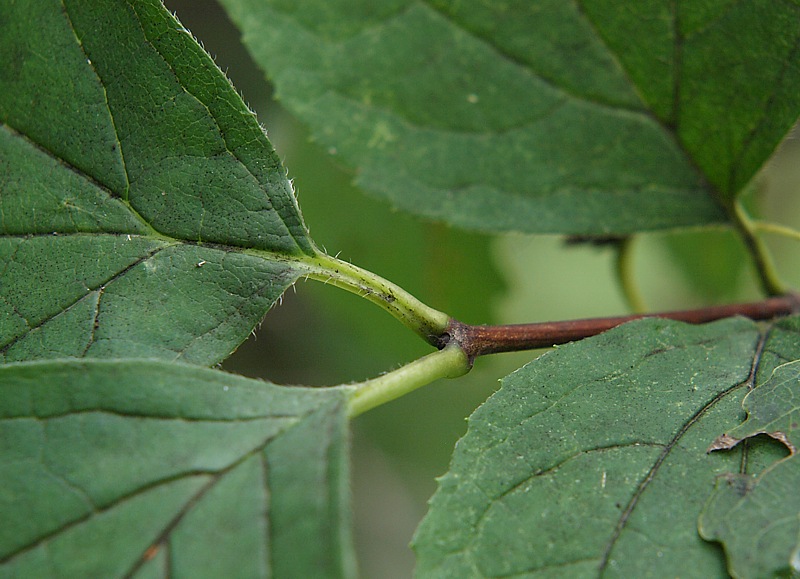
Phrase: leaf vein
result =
(631, 506)
(268, 529)
(91, 179)
(66, 307)
(677, 66)
(528, 66)
(578, 454)
(95, 321)
(293, 418)
(278, 211)
(786, 64)
(527, 572)
(161, 539)
(121, 153)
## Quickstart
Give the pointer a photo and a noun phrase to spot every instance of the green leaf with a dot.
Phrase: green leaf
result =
(592, 459)
(757, 518)
(545, 116)
(218, 475)
(711, 260)
(133, 180)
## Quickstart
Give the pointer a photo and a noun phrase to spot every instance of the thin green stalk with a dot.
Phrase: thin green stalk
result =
(465, 343)
(450, 362)
(422, 319)
(777, 229)
(767, 274)
(626, 278)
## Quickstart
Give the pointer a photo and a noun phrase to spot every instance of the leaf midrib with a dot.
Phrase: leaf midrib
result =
(123, 197)
(215, 477)
(526, 66)
(90, 290)
(627, 512)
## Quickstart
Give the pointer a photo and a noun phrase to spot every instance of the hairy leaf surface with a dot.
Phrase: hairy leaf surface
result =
(133, 178)
(105, 465)
(592, 459)
(558, 117)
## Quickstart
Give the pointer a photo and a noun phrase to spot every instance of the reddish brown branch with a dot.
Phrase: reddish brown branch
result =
(479, 340)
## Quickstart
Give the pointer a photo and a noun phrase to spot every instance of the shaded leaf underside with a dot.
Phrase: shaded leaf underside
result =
(133, 179)
(592, 459)
(189, 469)
(544, 116)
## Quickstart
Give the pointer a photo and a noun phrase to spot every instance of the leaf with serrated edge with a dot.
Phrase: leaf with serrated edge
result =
(757, 518)
(592, 459)
(134, 179)
(772, 409)
(548, 117)
(183, 459)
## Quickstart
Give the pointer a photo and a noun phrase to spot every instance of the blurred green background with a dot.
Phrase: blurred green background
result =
(323, 336)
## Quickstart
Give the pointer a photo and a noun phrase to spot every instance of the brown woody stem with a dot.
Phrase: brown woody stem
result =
(479, 340)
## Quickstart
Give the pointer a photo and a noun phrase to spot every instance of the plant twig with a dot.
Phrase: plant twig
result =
(422, 319)
(777, 229)
(461, 343)
(626, 279)
(449, 362)
(748, 229)
(480, 340)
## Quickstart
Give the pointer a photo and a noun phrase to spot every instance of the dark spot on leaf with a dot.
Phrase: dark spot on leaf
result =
(740, 484)
(151, 552)
(656, 352)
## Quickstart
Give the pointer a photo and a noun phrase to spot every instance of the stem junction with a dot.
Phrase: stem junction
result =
(459, 344)
(480, 340)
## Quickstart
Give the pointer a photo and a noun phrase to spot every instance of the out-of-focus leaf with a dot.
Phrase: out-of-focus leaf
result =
(132, 179)
(712, 261)
(584, 118)
(592, 459)
(107, 464)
